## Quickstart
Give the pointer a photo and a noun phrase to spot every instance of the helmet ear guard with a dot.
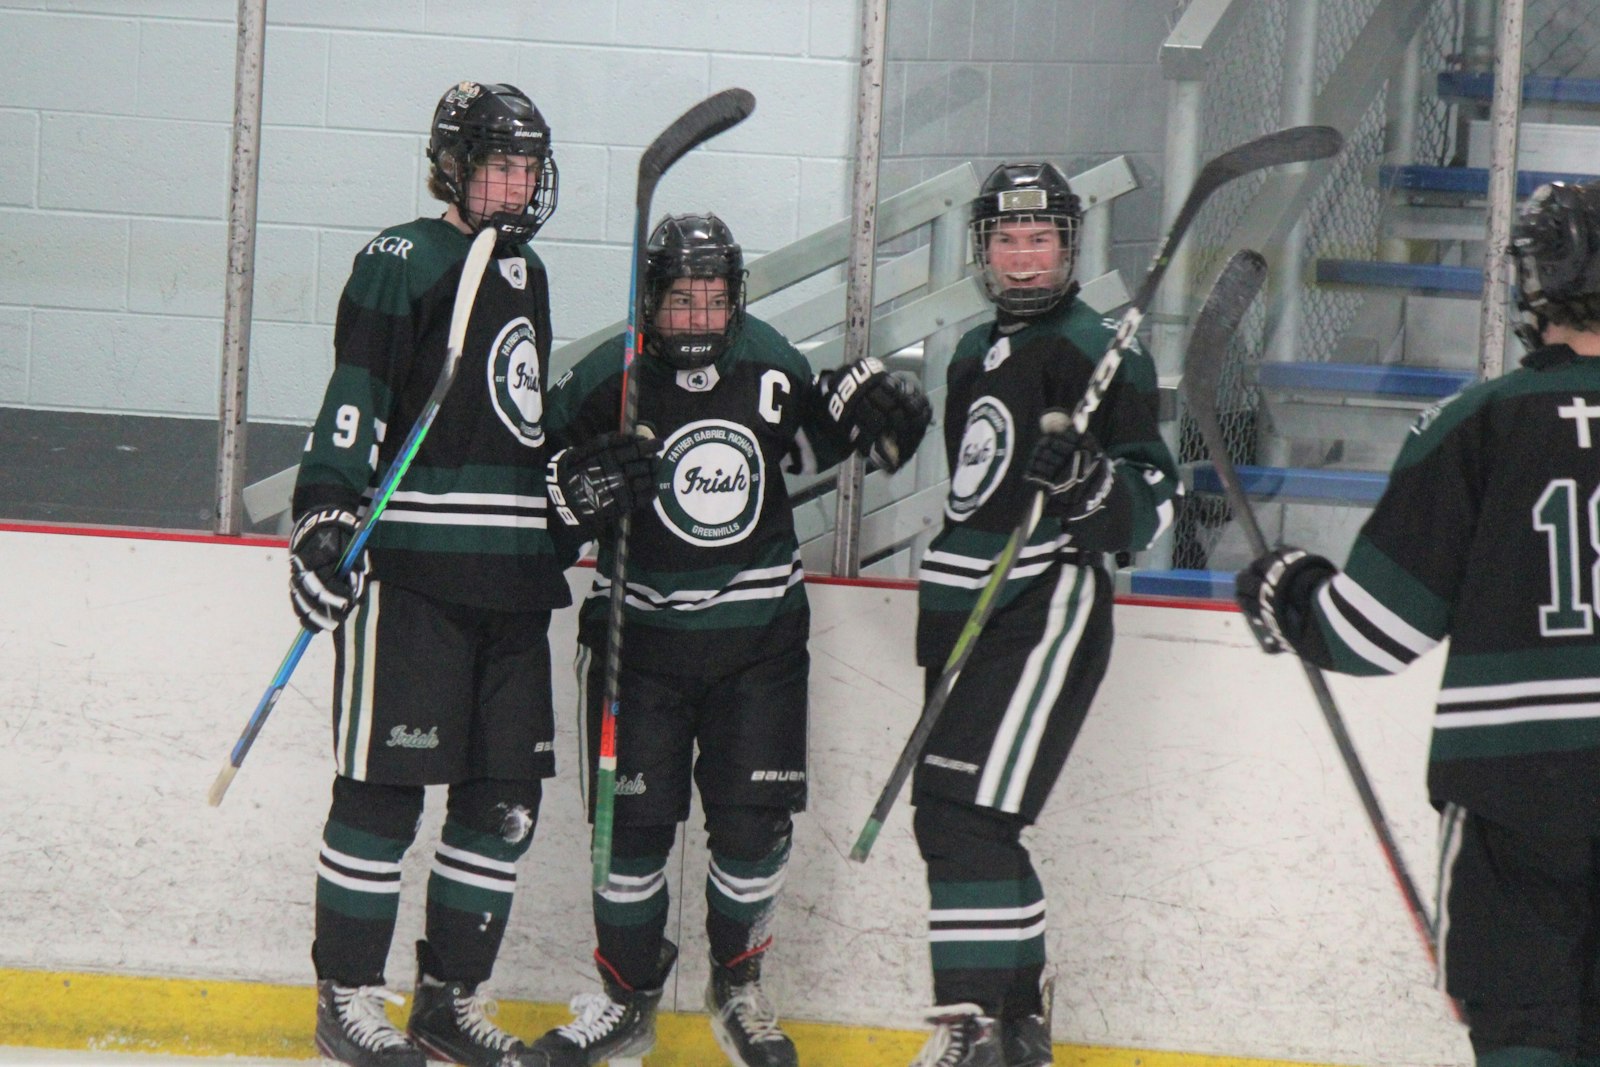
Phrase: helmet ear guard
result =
(692, 246)
(475, 121)
(1556, 248)
(1026, 193)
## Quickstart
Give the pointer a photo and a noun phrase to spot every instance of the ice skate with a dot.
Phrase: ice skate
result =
(619, 1023)
(352, 1028)
(450, 1021)
(962, 1037)
(743, 1019)
(1025, 1041)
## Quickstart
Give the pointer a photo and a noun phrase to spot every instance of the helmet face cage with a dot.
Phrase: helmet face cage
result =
(1026, 195)
(1556, 246)
(692, 246)
(474, 122)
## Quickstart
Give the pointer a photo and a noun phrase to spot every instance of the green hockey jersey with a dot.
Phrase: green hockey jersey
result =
(467, 523)
(714, 578)
(1000, 384)
(1489, 534)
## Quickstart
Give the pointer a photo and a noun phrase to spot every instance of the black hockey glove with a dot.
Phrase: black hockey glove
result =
(1073, 472)
(1276, 593)
(321, 596)
(593, 484)
(882, 415)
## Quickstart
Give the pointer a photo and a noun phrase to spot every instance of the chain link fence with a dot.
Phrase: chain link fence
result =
(1561, 39)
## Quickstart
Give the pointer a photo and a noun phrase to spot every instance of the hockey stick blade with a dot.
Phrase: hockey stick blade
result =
(472, 269)
(1235, 288)
(1297, 144)
(714, 115)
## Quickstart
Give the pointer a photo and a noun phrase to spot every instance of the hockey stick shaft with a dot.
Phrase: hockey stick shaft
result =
(1297, 144)
(466, 295)
(1235, 288)
(714, 115)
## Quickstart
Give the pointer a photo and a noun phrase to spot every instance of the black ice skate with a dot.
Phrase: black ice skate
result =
(743, 1020)
(618, 1023)
(450, 1021)
(352, 1028)
(1025, 1042)
(962, 1037)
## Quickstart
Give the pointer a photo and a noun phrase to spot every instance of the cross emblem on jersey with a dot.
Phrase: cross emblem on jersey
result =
(1580, 412)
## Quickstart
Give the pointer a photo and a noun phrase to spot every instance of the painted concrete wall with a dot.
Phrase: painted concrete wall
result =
(114, 177)
(1212, 883)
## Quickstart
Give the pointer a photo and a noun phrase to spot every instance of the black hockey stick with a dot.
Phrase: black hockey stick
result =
(466, 295)
(713, 115)
(1298, 144)
(1235, 288)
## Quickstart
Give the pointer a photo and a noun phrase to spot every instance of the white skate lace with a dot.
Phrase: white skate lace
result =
(473, 1016)
(949, 1042)
(755, 1013)
(361, 1011)
(597, 1015)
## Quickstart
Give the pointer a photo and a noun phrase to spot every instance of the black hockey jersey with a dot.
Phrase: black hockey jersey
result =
(467, 523)
(714, 575)
(999, 386)
(1489, 534)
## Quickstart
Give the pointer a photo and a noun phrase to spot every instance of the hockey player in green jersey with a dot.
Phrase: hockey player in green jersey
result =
(442, 672)
(1016, 708)
(1489, 535)
(714, 671)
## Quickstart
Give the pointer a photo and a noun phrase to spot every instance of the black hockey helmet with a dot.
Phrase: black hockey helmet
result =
(691, 246)
(1556, 245)
(1027, 192)
(474, 121)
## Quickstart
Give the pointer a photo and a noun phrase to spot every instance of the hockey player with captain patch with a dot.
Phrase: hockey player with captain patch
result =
(1011, 719)
(714, 673)
(1488, 534)
(442, 665)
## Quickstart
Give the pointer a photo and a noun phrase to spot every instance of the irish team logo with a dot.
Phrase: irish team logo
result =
(981, 462)
(711, 483)
(514, 381)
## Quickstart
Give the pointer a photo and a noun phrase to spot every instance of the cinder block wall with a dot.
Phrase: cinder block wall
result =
(114, 152)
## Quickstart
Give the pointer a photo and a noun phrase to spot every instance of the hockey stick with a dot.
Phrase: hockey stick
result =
(1235, 288)
(713, 115)
(466, 295)
(1298, 144)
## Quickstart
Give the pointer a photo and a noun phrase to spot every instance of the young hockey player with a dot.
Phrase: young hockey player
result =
(714, 670)
(1011, 719)
(442, 674)
(1489, 534)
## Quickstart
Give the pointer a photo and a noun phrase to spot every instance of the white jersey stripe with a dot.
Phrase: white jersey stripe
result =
(1353, 637)
(1468, 694)
(1455, 720)
(482, 500)
(1083, 599)
(1372, 609)
(461, 518)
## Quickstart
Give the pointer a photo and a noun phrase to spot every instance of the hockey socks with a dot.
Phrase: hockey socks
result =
(630, 918)
(470, 889)
(358, 894)
(741, 896)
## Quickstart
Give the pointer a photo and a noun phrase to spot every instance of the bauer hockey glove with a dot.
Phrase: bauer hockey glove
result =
(593, 484)
(881, 415)
(1276, 593)
(321, 596)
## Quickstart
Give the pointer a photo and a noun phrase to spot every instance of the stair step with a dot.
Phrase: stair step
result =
(1207, 585)
(1468, 181)
(1455, 84)
(1304, 484)
(1386, 380)
(1424, 277)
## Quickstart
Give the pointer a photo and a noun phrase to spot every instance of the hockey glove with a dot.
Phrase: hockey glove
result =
(322, 597)
(1276, 594)
(881, 415)
(1073, 472)
(593, 484)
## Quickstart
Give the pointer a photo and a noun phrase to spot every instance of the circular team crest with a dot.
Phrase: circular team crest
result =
(711, 483)
(981, 462)
(514, 381)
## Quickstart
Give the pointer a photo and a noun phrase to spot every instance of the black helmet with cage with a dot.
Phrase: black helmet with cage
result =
(691, 246)
(474, 121)
(1026, 193)
(1556, 245)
